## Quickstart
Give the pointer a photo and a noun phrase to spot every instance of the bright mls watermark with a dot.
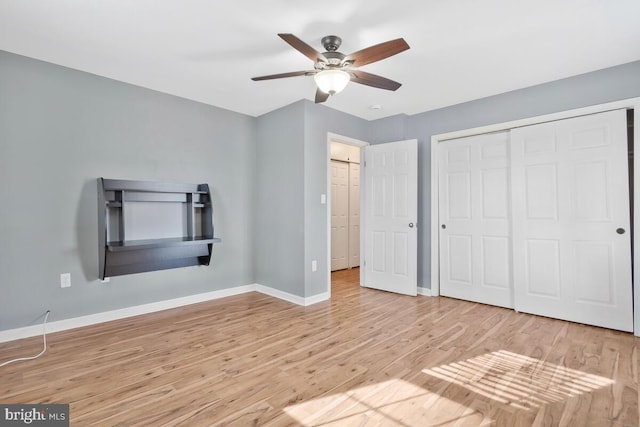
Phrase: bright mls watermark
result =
(54, 415)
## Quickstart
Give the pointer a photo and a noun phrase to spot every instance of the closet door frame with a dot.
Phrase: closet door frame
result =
(631, 103)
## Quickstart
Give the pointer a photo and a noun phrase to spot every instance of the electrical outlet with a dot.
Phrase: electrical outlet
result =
(314, 265)
(65, 280)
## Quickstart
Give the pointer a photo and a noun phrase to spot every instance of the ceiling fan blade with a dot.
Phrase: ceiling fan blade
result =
(283, 75)
(374, 80)
(321, 96)
(377, 52)
(303, 48)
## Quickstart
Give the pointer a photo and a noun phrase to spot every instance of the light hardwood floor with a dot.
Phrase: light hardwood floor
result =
(367, 358)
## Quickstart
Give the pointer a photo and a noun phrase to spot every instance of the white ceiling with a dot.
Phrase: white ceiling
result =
(208, 50)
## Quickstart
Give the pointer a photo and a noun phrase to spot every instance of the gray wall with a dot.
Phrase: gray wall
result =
(593, 88)
(319, 120)
(290, 221)
(389, 129)
(279, 193)
(60, 129)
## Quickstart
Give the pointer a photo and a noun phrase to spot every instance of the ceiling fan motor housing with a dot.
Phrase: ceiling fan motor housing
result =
(334, 60)
(331, 43)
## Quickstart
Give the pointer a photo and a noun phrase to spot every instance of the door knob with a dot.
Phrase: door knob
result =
(410, 225)
(620, 231)
(443, 226)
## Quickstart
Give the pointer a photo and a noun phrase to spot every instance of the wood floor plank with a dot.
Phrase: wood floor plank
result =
(365, 358)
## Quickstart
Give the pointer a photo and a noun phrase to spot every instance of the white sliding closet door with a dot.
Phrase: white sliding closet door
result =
(475, 248)
(339, 215)
(571, 234)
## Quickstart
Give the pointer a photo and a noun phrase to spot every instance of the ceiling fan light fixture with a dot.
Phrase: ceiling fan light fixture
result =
(333, 70)
(332, 81)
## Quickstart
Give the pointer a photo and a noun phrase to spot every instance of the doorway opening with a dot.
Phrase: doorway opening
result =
(344, 202)
(345, 283)
(345, 206)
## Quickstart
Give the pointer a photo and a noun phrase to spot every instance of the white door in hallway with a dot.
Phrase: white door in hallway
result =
(571, 238)
(474, 212)
(339, 215)
(390, 180)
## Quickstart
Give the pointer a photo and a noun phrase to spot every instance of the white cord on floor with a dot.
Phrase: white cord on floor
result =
(44, 340)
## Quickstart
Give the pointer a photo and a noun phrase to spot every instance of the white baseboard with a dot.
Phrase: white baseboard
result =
(106, 316)
(424, 291)
(317, 298)
(291, 297)
(280, 294)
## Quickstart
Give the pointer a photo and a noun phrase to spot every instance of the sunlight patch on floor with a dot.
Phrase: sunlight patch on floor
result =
(519, 381)
(389, 403)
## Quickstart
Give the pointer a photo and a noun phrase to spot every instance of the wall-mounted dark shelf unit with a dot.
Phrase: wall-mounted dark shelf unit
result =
(119, 256)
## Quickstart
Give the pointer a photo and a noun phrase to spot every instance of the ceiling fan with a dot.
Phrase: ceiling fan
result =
(333, 70)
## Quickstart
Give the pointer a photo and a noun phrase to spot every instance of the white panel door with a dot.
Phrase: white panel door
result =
(339, 215)
(475, 204)
(571, 234)
(354, 215)
(390, 177)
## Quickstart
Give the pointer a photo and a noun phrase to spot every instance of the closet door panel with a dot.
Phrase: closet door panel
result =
(570, 204)
(474, 191)
(339, 215)
(495, 271)
(542, 261)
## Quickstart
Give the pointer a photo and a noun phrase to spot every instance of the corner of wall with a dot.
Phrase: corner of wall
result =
(388, 129)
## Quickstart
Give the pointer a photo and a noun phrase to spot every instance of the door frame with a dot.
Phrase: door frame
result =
(631, 103)
(334, 137)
